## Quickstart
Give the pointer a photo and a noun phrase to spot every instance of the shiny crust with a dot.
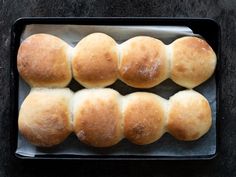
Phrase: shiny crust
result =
(97, 117)
(193, 61)
(42, 61)
(45, 118)
(189, 115)
(143, 62)
(144, 117)
(95, 61)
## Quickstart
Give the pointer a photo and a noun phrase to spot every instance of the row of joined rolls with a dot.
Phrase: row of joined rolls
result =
(103, 117)
(98, 61)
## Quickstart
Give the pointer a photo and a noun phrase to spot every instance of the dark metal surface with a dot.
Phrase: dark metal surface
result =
(208, 28)
(223, 11)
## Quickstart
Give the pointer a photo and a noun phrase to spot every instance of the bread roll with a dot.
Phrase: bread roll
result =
(43, 61)
(95, 61)
(45, 117)
(97, 117)
(143, 62)
(189, 115)
(102, 117)
(144, 117)
(193, 61)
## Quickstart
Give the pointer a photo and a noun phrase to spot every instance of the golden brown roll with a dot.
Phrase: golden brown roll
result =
(143, 62)
(189, 115)
(193, 61)
(45, 117)
(95, 61)
(102, 117)
(43, 61)
(97, 117)
(144, 117)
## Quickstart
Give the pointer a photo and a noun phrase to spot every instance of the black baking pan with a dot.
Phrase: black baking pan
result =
(207, 28)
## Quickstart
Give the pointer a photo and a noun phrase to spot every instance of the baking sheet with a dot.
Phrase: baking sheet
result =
(167, 145)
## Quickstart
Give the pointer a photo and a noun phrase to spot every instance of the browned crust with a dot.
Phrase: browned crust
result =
(44, 118)
(95, 60)
(143, 62)
(42, 61)
(97, 121)
(189, 116)
(143, 118)
(193, 61)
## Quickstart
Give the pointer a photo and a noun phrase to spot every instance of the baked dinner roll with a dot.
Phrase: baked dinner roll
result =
(97, 117)
(189, 115)
(45, 117)
(102, 117)
(143, 62)
(144, 117)
(193, 61)
(95, 61)
(43, 61)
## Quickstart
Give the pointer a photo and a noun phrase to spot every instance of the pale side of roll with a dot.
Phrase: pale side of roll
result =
(193, 61)
(45, 116)
(189, 115)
